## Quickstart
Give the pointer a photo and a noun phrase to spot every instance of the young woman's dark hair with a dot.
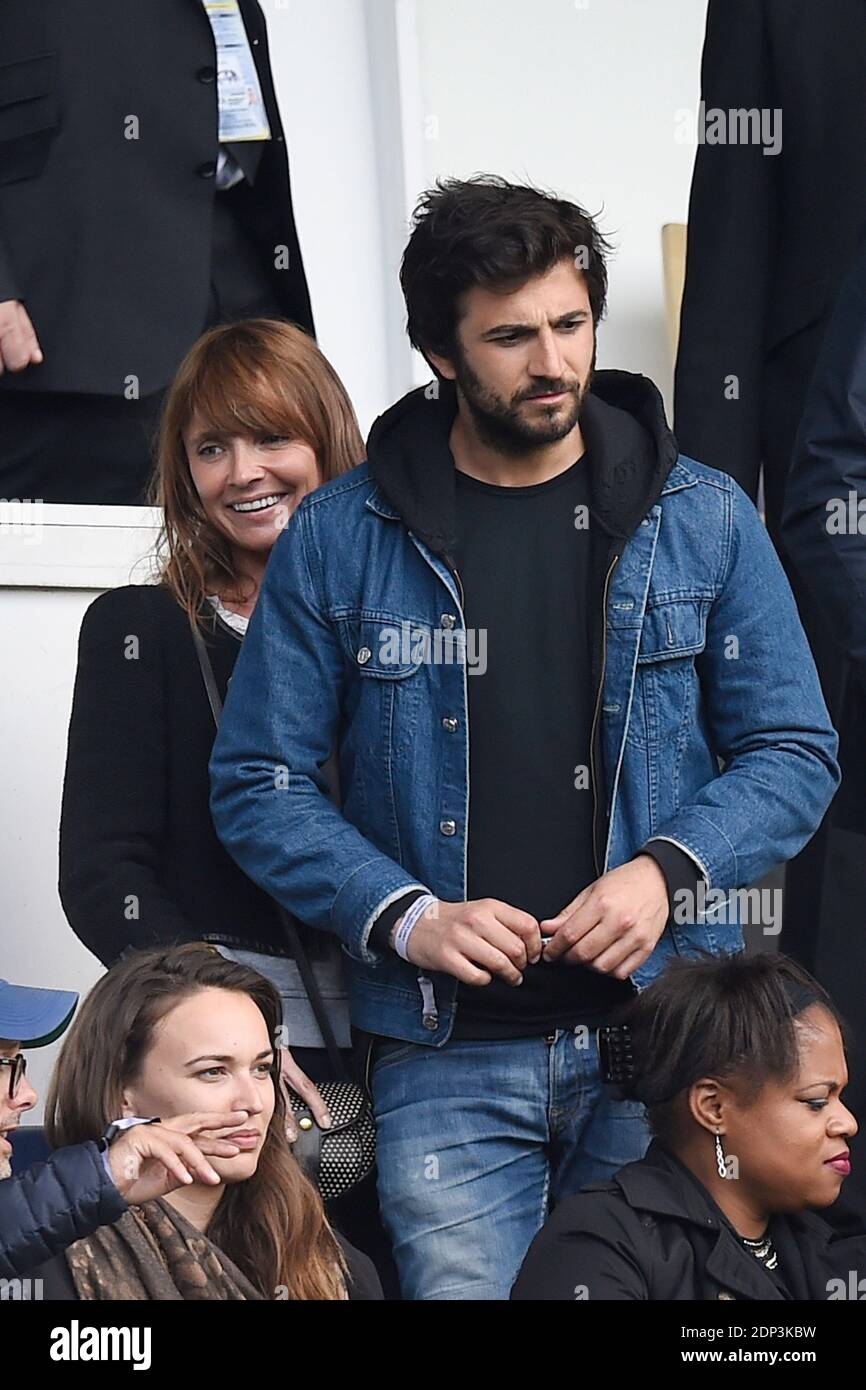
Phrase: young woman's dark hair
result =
(488, 232)
(716, 1016)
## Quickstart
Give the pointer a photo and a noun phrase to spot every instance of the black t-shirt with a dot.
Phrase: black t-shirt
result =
(523, 555)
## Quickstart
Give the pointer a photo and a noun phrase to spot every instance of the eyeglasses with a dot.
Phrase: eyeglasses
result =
(17, 1067)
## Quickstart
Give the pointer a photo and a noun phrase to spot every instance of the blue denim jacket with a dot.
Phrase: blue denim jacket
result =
(712, 730)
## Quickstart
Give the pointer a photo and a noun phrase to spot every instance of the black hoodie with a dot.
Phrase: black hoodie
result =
(632, 451)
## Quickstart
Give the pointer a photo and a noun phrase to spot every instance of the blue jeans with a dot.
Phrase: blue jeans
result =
(477, 1140)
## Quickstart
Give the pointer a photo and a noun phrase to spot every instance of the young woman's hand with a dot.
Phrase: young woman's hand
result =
(149, 1161)
(293, 1079)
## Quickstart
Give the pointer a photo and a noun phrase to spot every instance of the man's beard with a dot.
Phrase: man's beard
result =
(500, 425)
(5, 1168)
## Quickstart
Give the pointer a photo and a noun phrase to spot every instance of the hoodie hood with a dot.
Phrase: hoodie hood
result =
(629, 442)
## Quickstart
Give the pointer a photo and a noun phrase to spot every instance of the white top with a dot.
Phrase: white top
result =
(236, 621)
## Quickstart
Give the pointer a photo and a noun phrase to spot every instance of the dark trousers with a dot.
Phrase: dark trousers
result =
(59, 447)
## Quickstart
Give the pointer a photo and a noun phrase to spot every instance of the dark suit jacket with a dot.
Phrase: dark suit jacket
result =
(824, 522)
(770, 236)
(107, 239)
(824, 529)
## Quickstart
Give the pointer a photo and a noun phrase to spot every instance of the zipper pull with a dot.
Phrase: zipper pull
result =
(430, 1017)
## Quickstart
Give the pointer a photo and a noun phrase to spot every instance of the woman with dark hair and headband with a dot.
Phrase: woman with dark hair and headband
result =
(740, 1063)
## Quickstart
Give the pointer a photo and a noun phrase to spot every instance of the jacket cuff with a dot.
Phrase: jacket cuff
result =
(385, 921)
(681, 872)
(111, 1205)
(362, 899)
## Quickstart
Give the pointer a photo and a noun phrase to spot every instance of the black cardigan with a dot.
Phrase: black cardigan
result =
(653, 1233)
(140, 862)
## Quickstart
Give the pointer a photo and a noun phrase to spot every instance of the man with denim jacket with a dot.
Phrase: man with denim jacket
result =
(573, 707)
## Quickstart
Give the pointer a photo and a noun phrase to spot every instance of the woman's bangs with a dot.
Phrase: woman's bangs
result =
(251, 404)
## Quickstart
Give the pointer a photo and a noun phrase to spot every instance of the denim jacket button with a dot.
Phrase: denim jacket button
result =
(450, 723)
(364, 656)
(448, 827)
(447, 621)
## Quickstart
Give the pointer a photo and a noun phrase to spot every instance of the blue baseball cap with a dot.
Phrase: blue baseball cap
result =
(34, 1017)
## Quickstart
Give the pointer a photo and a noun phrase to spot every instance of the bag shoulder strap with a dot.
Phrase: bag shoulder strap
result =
(302, 960)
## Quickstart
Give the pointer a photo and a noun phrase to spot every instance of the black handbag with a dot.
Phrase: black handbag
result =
(338, 1158)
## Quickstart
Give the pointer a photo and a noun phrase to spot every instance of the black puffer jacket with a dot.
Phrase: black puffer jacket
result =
(653, 1233)
(52, 1204)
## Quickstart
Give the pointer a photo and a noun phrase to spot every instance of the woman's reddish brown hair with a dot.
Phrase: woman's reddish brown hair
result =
(259, 376)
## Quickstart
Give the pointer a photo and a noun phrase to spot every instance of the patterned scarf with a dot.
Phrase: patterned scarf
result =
(153, 1252)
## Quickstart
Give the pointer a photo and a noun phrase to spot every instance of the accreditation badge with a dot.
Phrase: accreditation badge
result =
(242, 114)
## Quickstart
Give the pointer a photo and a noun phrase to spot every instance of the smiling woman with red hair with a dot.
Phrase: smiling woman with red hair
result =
(255, 419)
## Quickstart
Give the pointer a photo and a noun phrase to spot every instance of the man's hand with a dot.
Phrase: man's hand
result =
(614, 924)
(474, 941)
(294, 1079)
(149, 1161)
(19, 346)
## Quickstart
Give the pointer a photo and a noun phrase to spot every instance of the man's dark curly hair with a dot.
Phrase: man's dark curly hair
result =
(486, 231)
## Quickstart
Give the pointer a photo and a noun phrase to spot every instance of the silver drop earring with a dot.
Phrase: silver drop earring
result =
(720, 1157)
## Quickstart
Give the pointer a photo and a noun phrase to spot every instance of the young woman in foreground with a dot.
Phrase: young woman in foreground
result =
(173, 1032)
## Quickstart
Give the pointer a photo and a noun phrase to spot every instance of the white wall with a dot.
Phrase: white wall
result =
(321, 66)
(53, 562)
(579, 96)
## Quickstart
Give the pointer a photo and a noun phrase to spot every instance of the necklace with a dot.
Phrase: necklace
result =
(763, 1250)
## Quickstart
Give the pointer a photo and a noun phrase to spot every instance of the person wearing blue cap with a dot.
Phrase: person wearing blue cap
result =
(85, 1186)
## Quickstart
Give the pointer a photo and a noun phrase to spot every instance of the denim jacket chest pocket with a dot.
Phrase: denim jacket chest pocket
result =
(389, 657)
(666, 694)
